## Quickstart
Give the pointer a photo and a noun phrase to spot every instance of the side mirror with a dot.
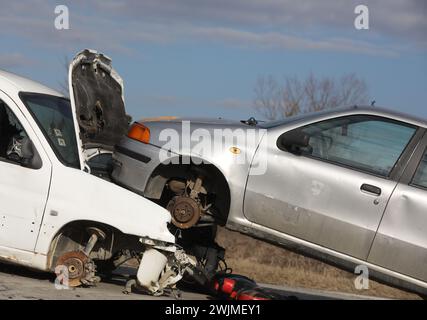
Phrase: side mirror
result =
(22, 151)
(293, 141)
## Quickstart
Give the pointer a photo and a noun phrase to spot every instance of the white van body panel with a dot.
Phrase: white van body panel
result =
(70, 194)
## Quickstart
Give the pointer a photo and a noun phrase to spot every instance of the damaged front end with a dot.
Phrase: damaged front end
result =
(160, 268)
(97, 102)
(160, 265)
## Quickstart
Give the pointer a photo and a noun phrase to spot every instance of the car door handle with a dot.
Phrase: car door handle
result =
(369, 188)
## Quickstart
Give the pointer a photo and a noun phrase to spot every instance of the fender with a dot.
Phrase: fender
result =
(77, 195)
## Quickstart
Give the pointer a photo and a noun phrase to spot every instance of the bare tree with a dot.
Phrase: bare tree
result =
(275, 100)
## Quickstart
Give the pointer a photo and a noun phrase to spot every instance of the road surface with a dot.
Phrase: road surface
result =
(18, 283)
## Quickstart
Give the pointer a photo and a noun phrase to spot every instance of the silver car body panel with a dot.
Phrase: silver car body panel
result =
(133, 173)
(401, 238)
(302, 218)
(325, 207)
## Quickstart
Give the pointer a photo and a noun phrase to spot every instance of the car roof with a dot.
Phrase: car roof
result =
(369, 110)
(381, 111)
(10, 81)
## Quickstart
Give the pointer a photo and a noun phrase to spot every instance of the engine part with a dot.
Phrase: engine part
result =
(209, 256)
(160, 270)
(151, 266)
(196, 188)
(177, 186)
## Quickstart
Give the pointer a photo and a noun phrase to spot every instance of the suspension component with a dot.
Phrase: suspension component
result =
(185, 211)
(186, 208)
(95, 235)
(80, 268)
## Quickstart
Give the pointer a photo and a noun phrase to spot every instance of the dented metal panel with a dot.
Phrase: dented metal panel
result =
(316, 201)
(401, 241)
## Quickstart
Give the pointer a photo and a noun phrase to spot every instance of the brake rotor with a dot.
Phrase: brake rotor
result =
(185, 211)
(75, 262)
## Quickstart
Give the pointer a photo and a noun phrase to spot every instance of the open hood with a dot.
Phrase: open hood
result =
(96, 93)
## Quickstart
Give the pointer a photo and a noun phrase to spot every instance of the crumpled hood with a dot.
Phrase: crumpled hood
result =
(96, 93)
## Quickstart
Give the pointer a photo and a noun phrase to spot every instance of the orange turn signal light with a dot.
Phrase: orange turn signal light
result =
(139, 132)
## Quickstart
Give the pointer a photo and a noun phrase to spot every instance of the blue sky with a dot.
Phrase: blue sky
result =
(202, 58)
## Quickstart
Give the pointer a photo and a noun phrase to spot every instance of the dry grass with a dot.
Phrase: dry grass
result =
(271, 264)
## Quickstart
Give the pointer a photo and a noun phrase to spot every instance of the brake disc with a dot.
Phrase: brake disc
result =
(81, 269)
(185, 211)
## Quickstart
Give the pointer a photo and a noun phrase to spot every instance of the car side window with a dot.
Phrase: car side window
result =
(367, 143)
(420, 177)
(11, 132)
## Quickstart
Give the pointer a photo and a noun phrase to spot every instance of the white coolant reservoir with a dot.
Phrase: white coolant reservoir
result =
(151, 266)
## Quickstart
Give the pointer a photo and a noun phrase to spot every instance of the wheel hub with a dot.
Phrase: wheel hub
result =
(75, 262)
(185, 211)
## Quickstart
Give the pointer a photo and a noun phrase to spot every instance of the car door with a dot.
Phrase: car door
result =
(401, 242)
(334, 191)
(23, 190)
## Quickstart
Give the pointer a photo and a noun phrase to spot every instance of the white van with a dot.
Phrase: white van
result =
(53, 213)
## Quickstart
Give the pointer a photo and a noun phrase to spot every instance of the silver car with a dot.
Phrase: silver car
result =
(346, 186)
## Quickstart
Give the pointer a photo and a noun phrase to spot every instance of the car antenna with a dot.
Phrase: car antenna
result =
(373, 103)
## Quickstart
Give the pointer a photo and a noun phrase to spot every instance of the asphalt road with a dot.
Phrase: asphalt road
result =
(18, 283)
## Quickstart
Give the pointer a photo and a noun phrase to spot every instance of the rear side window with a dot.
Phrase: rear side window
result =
(420, 178)
(367, 143)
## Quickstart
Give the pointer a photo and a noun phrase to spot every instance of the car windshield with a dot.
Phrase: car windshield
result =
(55, 118)
(306, 116)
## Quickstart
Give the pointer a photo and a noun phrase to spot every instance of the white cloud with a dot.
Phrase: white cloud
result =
(277, 40)
(403, 18)
(269, 24)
